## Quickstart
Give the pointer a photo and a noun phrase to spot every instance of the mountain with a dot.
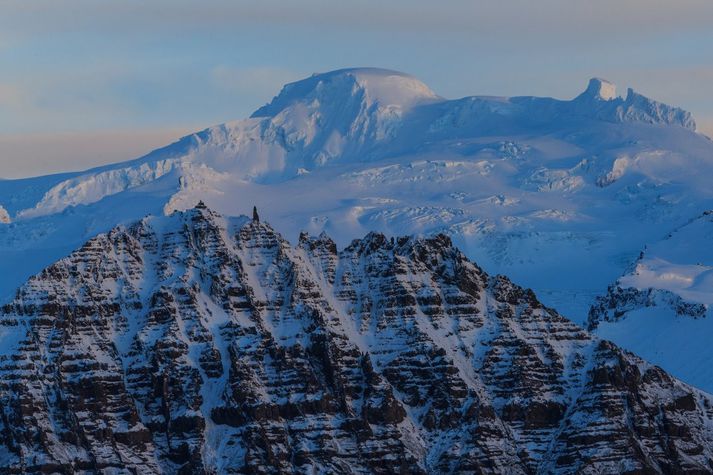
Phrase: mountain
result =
(195, 343)
(560, 195)
(661, 308)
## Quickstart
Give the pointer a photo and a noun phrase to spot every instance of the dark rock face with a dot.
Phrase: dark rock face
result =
(198, 344)
(619, 301)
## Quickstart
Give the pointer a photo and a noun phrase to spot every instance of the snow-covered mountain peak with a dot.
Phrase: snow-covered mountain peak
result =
(600, 89)
(337, 115)
(356, 150)
(381, 87)
(600, 101)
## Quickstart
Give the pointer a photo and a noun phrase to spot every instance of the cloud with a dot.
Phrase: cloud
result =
(60, 100)
(682, 84)
(10, 95)
(17, 104)
(71, 65)
(260, 81)
(24, 155)
(513, 19)
(123, 94)
(705, 126)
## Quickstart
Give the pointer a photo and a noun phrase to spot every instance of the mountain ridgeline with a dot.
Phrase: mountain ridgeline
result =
(517, 182)
(196, 343)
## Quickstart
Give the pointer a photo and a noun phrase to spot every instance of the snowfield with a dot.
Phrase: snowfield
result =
(661, 308)
(560, 195)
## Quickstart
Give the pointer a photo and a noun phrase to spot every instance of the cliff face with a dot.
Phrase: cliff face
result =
(199, 344)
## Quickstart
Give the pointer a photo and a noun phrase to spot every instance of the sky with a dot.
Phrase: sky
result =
(88, 82)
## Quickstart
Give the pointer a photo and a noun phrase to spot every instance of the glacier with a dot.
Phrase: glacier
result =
(560, 195)
(660, 307)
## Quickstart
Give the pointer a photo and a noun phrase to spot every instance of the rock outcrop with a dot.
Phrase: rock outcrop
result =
(601, 101)
(200, 344)
(619, 301)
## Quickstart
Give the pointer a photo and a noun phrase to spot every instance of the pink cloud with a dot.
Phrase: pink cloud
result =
(24, 155)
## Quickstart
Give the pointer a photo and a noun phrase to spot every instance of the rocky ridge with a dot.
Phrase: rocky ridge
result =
(618, 301)
(517, 182)
(195, 343)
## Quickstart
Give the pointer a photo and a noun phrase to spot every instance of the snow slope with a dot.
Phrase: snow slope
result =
(559, 194)
(661, 308)
(196, 343)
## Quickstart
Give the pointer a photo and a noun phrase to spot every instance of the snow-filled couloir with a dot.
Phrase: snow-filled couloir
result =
(196, 343)
(559, 194)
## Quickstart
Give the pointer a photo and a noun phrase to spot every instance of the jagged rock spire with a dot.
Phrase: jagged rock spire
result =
(600, 89)
(256, 217)
(545, 397)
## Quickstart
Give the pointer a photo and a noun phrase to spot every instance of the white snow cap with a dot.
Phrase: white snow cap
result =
(382, 86)
(391, 87)
(601, 89)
